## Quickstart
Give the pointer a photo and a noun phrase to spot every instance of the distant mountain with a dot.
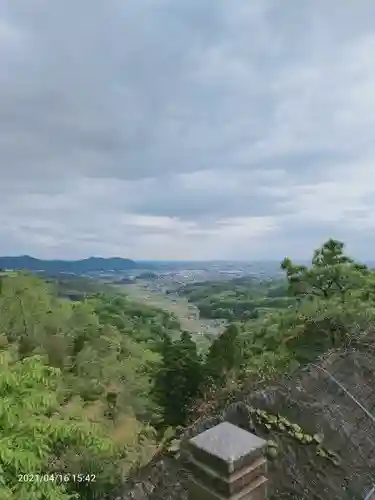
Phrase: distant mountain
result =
(78, 267)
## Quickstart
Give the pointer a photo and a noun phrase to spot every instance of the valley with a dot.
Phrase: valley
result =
(186, 312)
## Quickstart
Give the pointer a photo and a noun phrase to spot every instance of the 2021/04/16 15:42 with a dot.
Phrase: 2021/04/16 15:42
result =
(58, 477)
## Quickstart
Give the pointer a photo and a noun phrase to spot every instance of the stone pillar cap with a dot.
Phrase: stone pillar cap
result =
(226, 448)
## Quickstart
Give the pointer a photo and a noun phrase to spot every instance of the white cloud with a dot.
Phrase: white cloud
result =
(163, 129)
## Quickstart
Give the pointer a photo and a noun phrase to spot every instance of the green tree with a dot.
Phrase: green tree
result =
(332, 273)
(224, 354)
(179, 379)
(101, 387)
(33, 435)
(334, 301)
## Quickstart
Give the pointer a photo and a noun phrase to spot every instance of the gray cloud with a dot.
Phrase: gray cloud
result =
(176, 130)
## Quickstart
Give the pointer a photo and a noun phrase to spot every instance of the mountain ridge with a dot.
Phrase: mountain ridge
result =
(79, 266)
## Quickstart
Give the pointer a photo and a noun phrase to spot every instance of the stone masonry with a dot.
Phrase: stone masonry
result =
(226, 463)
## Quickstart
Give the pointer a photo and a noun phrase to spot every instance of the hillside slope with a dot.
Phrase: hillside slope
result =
(308, 399)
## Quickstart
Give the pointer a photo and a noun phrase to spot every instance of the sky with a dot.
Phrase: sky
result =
(189, 129)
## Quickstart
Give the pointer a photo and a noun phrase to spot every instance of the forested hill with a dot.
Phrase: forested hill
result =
(98, 387)
(53, 267)
(238, 299)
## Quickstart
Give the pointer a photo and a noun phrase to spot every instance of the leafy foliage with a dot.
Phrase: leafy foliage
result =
(330, 305)
(34, 435)
(224, 355)
(178, 382)
(70, 384)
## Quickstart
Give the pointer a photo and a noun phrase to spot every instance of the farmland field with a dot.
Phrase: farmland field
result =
(180, 307)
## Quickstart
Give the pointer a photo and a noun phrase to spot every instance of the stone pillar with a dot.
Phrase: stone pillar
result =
(226, 463)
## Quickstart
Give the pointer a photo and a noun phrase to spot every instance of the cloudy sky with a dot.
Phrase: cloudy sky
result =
(189, 129)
